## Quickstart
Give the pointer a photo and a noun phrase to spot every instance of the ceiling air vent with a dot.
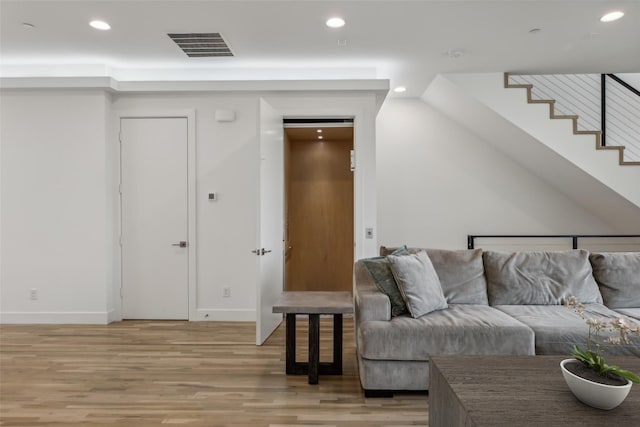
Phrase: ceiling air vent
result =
(199, 45)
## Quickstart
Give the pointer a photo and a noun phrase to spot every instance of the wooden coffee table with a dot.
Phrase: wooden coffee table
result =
(493, 391)
(314, 304)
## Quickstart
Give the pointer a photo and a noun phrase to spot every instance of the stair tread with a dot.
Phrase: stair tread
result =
(565, 116)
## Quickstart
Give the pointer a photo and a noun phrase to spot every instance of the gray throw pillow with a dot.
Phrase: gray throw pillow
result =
(618, 275)
(418, 283)
(542, 278)
(382, 276)
(461, 273)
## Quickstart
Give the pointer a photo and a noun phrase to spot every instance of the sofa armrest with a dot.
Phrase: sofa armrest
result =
(370, 303)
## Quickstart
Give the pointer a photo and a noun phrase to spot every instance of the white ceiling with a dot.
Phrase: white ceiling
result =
(403, 41)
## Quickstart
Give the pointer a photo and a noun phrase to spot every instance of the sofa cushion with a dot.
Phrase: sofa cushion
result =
(461, 273)
(557, 328)
(618, 275)
(459, 329)
(539, 277)
(418, 283)
(380, 271)
(629, 312)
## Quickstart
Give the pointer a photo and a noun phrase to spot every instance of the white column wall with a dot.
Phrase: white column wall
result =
(363, 110)
(54, 217)
(226, 153)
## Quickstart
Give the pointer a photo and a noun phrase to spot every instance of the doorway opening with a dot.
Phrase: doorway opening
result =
(319, 204)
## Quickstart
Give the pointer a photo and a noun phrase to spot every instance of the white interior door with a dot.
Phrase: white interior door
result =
(271, 224)
(155, 264)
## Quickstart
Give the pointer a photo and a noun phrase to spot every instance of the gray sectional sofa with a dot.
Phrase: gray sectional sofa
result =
(497, 303)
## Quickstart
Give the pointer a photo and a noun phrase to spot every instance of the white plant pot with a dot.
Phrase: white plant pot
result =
(601, 396)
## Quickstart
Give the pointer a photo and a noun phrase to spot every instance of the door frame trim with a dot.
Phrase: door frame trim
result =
(364, 191)
(363, 110)
(190, 115)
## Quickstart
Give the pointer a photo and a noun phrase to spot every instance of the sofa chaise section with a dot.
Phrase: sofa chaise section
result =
(557, 328)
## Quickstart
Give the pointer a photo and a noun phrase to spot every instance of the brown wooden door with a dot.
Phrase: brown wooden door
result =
(319, 210)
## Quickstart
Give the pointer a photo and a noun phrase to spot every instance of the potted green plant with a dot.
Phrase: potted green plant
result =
(589, 377)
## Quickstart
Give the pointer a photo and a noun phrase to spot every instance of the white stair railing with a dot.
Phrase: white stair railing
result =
(622, 112)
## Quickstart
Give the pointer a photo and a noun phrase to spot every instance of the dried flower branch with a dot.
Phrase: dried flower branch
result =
(592, 356)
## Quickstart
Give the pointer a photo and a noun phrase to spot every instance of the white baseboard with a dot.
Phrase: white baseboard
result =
(113, 316)
(224, 315)
(75, 317)
(103, 318)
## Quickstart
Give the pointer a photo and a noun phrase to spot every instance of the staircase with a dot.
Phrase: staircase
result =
(556, 150)
(574, 118)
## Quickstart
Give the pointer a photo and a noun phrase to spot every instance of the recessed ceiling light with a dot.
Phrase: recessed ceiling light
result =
(100, 25)
(612, 16)
(400, 89)
(335, 22)
(319, 130)
(320, 137)
(27, 25)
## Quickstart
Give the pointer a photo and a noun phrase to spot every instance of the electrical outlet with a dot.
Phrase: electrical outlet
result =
(226, 292)
(33, 294)
(368, 233)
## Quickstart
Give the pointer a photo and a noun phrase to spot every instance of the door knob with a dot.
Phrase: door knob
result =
(181, 244)
(260, 251)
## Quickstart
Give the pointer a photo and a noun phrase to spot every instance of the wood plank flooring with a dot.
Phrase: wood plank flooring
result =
(145, 373)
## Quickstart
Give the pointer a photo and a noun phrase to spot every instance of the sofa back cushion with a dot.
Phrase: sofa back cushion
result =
(461, 273)
(380, 272)
(618, 275)
(542, 278)
(418, 283)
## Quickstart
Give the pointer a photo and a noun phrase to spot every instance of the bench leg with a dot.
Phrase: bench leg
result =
(337, 344)
(314, 348)
(291, 344)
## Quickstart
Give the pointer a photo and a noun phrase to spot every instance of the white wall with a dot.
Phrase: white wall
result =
(437, 182)
(55, 223)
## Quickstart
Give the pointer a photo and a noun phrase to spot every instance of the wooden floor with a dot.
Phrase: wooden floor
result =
(192, 373)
